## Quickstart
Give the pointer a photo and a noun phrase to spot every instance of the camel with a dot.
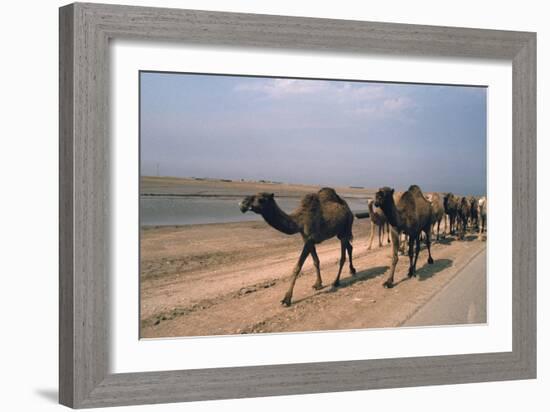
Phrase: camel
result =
(377, 216)
(463, 216)
(411, 215)
(482, 214)
(450, 203)
(320, 216)
(474, 219)
(377, 219)
(403, 238)
(438, 212)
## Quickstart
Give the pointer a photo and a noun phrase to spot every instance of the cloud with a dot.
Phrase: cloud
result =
(398, 103)
(387, 107)
(353, 99)
(343, 92)
(278, 88)
(360, 93)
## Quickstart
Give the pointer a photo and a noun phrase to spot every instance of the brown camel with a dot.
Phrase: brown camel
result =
(463, 216)
(438, 212)
(450, 203)
(319, 217)
(474, 218)
(411, 215)
(377, 220)
(482, 214)
(403, 238)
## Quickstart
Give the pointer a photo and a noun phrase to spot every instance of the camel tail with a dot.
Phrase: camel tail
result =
(362, 215)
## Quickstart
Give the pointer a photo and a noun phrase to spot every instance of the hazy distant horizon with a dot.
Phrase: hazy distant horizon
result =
(318, 132)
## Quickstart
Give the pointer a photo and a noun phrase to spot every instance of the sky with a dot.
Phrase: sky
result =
(325, 132)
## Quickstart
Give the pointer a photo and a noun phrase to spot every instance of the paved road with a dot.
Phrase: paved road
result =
(463, 300)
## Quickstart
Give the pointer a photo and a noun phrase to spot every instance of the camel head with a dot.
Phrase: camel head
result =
(383, 196)
(258, 203)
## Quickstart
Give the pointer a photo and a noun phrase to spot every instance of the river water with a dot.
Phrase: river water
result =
(187, 210)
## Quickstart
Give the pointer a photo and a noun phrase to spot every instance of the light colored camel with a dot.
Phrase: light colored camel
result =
(320, 216)
(377, 220)
(482, 214)
(438, 212)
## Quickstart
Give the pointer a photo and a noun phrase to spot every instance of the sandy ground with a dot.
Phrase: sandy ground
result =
(219, 279)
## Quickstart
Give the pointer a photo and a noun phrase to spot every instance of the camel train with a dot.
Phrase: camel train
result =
(406, 216)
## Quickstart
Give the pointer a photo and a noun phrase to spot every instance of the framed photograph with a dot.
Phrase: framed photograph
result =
(257, 205)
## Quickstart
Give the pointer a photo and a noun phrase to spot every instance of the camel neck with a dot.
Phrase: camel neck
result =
(278, 219)
(392, 214)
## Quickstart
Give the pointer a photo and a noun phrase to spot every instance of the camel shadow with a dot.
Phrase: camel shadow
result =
(469, 238)
(427, 271)
(445, 241)
(350, 280)
(360, 277)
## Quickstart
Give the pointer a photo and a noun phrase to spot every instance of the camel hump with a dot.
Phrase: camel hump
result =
(310, 202)
(328, 193)
(416, 190)
(434, 197)
(397, 196)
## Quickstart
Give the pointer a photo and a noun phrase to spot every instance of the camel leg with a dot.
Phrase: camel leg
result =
(429, 246)
(455, 225)
(416, 253)
(388, 231)
(411, 255)
(349, 247)
(319, 282)
(451, 222)
(342, 261)
(303, 256)
(438, 224)
(482, 227)
(371, 234)
(380, 234)
(395, 252)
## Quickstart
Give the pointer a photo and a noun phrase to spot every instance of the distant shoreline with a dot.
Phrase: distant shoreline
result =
(185, 187)
(237, 195)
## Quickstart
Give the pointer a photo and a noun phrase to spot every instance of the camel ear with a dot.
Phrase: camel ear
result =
(270, 195)
(392, 191)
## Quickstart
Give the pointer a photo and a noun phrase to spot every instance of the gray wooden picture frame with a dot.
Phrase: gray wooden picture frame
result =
(85, 31)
